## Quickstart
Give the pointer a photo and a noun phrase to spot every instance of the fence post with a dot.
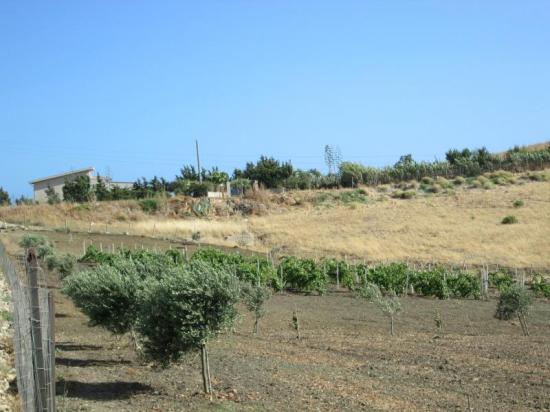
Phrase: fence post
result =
(36, 330)
(51, 348)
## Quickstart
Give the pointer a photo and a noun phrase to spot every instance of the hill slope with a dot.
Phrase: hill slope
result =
(457, 225)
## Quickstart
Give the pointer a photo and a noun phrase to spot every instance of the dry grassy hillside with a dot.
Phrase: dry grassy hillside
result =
(460, 223)
(465, 227)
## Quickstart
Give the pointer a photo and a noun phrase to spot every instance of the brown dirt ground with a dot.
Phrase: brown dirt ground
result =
(345, 359)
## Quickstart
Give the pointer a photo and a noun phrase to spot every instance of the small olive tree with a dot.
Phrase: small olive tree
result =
(108, 295)
(255, 297)
(514, 301)
(43, 247)
(389, 304)
(184, 309)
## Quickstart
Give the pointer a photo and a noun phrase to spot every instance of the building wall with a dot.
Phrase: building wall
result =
(57, 184)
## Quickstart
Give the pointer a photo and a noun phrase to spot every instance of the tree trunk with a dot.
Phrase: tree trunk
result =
(208, 370)
(523, 324)
(205, 369)
(256, 326)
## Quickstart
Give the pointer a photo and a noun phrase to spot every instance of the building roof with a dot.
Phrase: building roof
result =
(72, 172)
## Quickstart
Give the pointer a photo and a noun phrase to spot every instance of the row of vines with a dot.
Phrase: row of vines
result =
(310, 276)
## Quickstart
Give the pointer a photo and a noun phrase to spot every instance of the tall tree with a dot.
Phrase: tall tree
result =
(4, 197)
(77, 190)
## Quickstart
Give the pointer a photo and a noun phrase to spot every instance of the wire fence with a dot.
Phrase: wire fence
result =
(33, 325)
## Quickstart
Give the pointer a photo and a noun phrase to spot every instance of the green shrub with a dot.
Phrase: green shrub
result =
(400, 194)
(388, 302)
(358, 195)
(540, 286)
(513, 301)
(197, 189)
(106, 295)
(459, 180)
(176, 255)
(185, 309)
(94, 255)
(253, 269)
(64, 264)
(303, 274)
(443, 183)
(464, 285)
(427, 180)
(500, 280)
(4, 197)
(509, 220)
(392, 277)
(431, 283)
(435, 188)
(42, 246)
(518, 203)
(346, 274)
(255, 297)
(150, 206)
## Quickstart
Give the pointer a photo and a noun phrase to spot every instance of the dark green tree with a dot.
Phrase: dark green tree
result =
(77, 190)
(52, 196)
(4, 197)
(101, 191)
(23, 200)
(267, 171)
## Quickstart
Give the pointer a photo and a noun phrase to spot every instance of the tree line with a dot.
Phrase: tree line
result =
(271, 173)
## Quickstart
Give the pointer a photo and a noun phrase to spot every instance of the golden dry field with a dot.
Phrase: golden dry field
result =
(456, 226)
(464, 227)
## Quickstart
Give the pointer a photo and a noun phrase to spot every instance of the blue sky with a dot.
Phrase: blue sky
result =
(127, 86)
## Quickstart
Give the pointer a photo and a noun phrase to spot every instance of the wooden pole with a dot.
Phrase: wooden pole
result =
(36, 332)
(51, 348)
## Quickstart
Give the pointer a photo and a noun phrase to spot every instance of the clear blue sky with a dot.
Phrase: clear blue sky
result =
(128, 85)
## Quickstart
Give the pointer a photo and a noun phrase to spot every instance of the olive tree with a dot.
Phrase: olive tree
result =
(514, 301)
(184, 309)
(108, 295)
(389, 304)
(255, 297)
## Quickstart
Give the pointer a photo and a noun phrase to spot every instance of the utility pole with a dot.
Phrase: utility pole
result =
(198, 161)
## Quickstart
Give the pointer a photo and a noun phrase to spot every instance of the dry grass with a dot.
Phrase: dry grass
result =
(463, 227)
(454, 228)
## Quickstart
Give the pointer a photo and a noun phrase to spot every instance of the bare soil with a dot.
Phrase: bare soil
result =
(345, 359)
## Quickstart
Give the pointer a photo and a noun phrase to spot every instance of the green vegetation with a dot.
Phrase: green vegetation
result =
(403, 194)
(150, 206)
(52, 196)
(78, 190)
(269, 172)
(303, 275)
(514, 301)
(42, 246)
(64, 264)
(509, 220)
(23, 200)
(500, 280)
(4, 197)
(168, 305)
(255, 297)
(518, 203)
(389, 303)
(540, 286)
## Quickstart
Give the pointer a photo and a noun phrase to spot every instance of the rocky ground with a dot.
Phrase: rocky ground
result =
(7, 372)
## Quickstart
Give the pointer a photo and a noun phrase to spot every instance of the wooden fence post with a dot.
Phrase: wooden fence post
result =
(36, 330)
(51, 348)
